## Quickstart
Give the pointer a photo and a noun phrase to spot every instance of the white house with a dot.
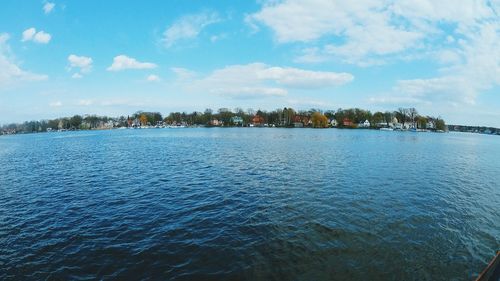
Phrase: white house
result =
(365, 124)
(110, 124)
(216, 122)
(405, 126)
(409, 125)
(333, 122)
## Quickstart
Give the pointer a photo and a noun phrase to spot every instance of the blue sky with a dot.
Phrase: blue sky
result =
(60, 58)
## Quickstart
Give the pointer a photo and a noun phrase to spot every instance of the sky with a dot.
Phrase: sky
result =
(60, 58)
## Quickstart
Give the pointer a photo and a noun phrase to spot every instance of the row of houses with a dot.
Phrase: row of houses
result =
(238, 121)
(475, 129)
(395, 124)
(8, 132)
(305, 121)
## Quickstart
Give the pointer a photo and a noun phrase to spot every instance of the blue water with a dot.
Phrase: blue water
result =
(248, 204)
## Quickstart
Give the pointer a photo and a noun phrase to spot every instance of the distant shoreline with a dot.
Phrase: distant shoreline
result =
(402, 119)
(474, 129)
(451, 128)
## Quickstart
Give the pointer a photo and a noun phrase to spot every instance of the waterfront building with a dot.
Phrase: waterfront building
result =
(347, 122)
(215, 122)
(237, 120)
(365, 124)
(258, 120)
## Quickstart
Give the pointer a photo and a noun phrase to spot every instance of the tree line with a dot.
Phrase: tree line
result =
(282, 117)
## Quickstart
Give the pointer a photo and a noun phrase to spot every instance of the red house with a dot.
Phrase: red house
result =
(258, 120)
(347, 122)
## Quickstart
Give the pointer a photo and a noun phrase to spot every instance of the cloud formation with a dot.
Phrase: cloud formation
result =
(82, 63)
(41, 37)
(85, 102)
(123, 62)
(48, 7)
(55, 104)
(10, 72)
(258, 79)
(76, 76)
(467, 70)
(354, 31)
(461, 36)
(188, 27)
(153, 78)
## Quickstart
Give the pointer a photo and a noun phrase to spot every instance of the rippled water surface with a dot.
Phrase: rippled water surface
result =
(248, 204)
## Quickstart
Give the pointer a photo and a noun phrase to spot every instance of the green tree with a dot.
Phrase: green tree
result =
(92, 121)
(377, 118)
(421, 122)
(76, 121)
(330, 114)
(440, 125)
(388, 117)
(288, 116)
(225, 116)
(53, 124)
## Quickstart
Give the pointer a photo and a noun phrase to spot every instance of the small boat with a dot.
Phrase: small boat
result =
(492, 271)
(386, 129)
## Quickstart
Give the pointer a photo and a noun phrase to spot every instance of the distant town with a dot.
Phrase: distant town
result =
(402, 119)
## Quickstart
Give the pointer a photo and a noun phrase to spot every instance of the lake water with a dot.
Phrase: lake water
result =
(248, 204)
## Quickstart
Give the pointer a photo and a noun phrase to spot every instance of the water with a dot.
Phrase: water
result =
(248, 204)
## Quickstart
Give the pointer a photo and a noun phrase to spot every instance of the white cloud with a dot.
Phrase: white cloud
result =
(473, 68)
(295, 77)
(28, 34)
(55, 104)
(182, 73)
(366, 28)
(420, 87)
(85, 102)
(461, 11)
(395, 101)
(368, 32)
(10, 71)
(48, 7)
(215, 38)
(461, 36)
(84, 64)
(122, 102)
(41, 37)
(258, 79)
(300, 20)
(153, 78)
(76, 76)
(122, 62)
(188, 27)
(249, 92)
(309, 102)
(117, 102)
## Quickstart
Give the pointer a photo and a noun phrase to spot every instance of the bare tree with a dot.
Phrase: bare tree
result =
(402, 115)
(412, 113)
